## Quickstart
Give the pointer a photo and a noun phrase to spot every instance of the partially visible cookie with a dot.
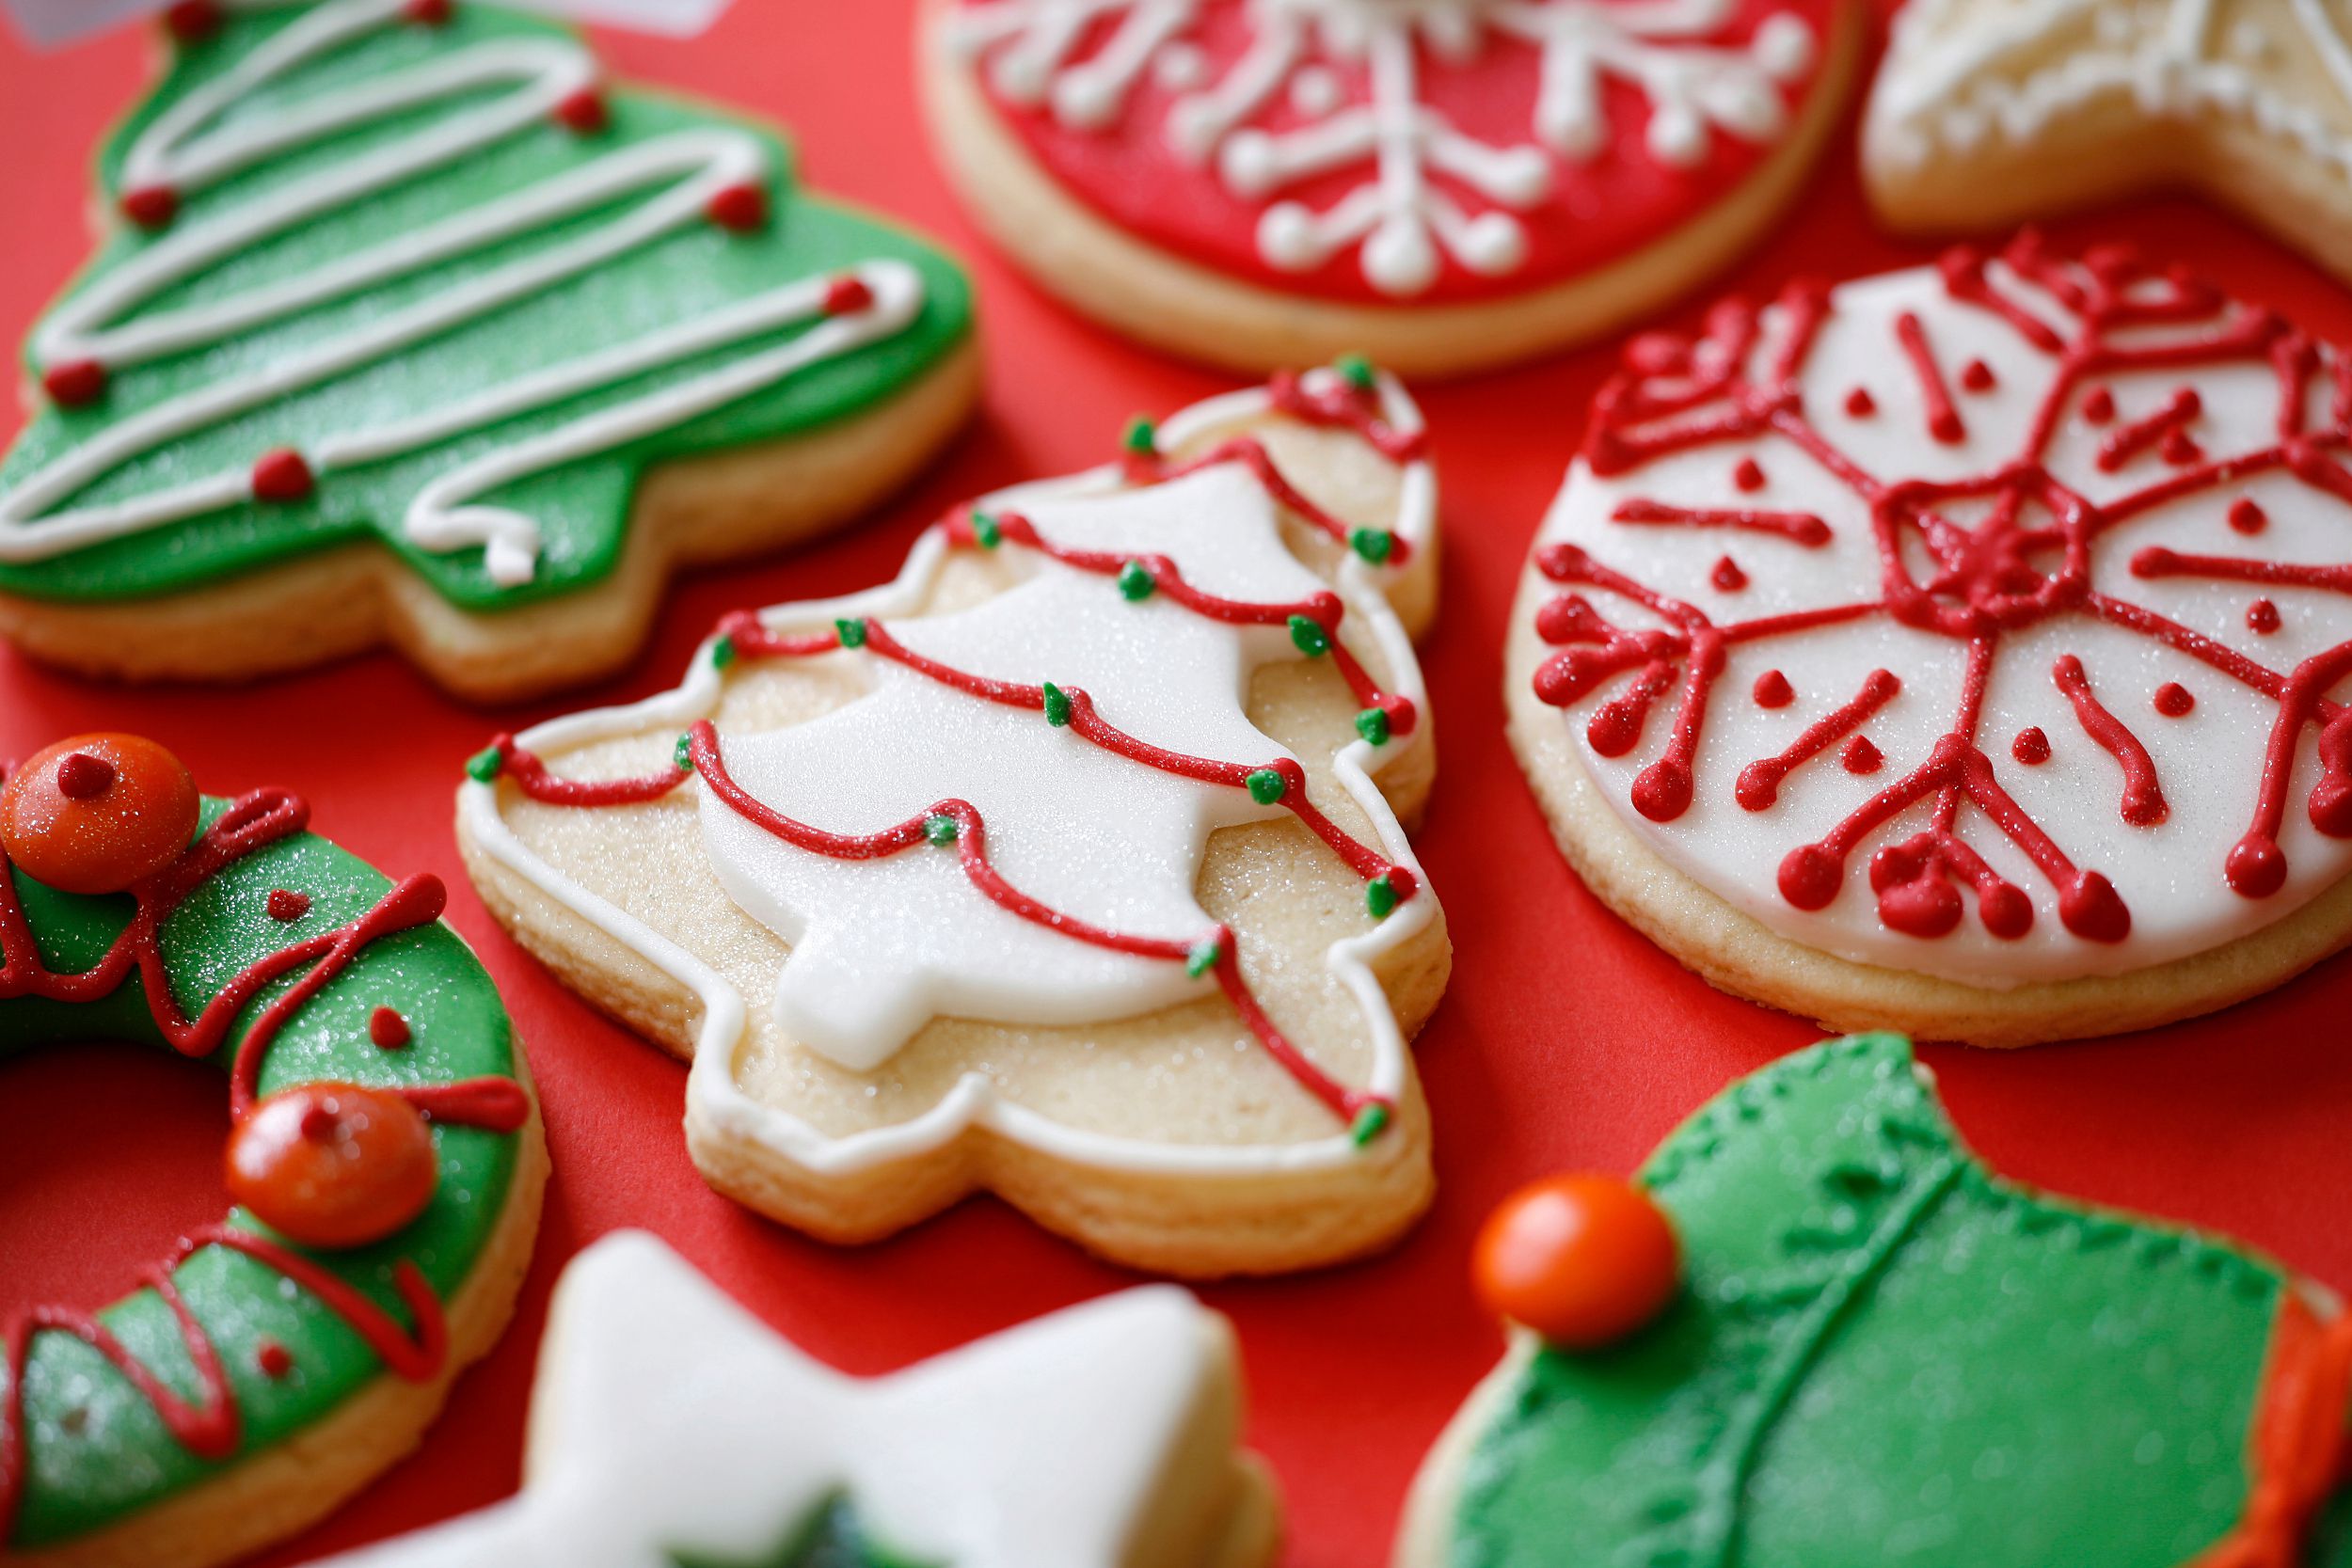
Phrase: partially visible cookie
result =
(1445, 185)
(1988, 112)
(1869, 1348)
(408, 326)
(1069, 865)
(1960, 650)
(669, 1426)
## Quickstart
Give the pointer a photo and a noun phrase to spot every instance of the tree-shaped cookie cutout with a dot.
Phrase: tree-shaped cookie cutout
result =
(417, 276)
(2011, 589)
(1882, 1349)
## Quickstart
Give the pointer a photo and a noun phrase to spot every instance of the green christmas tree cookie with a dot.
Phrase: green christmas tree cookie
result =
(1873, 1351)
(413, 327)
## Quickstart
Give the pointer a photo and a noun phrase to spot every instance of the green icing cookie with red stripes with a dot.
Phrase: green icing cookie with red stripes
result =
(385, 1158)
(1856, 1346)
(409, 326)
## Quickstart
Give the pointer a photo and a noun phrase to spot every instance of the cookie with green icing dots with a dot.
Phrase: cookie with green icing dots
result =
(1869, 1348)
(411, 326)
(385, 1159)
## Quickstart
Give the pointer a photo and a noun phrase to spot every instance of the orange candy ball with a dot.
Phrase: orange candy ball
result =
(98, 812)
(333, 1165)
(1584, 1261)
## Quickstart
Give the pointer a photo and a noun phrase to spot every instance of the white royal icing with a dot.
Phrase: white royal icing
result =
(1400, 150)
(497, 89)
(1961, 72)
(2208, 763)
(893, 943)
(669, 1420)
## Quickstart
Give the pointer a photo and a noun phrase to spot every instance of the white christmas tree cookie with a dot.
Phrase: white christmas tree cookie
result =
(1068, 865)
(670, 1429)
(1988, 112)
(1957, 650)
(1447, 184)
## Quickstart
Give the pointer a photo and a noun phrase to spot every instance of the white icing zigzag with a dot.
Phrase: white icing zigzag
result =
(213, 134)
(1397, 213)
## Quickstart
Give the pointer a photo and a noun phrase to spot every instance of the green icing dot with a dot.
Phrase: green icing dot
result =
(485, 764)
(1136, 580)
(1056, 705)
(1308, 636)
(1380, 897)
(986, 531)
(1142, 436)
(722, 653)
(1374, 544)
(832, 1536)
(1373, 725)
(1357, 371)
(683, 755)
(1203, 958)
(851, 632)
(940, 829)
(1370, 1122)
(1265, 785)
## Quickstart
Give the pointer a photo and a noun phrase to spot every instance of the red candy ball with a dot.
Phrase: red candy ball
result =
(98, 812)
(333, 1165)
(1584, 1261)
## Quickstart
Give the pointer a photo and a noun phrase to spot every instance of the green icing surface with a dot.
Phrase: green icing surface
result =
(1885, 1354)
(582, 508)
(98, 1450)
(831, 1537)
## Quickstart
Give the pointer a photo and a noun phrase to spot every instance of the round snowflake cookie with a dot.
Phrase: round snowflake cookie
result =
(384, 1157)
(1446, 184)
(1955, 650)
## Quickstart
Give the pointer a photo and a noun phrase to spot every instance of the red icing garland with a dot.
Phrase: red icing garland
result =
(209, 1427)
(2143, 800)
(744, 637)
(1675, 397)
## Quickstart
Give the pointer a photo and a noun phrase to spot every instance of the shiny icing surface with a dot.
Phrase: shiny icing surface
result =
(1362, 150)
(1987, 517)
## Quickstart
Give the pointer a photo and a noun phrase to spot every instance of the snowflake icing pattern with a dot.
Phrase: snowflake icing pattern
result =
(2024, 559)
(1082, 60)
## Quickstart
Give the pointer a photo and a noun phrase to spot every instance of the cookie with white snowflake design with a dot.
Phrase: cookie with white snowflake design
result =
(1959, 650)
(1444, 185)
(410, 327)
(1067, 866)
(670, 1429)
(1987, 111)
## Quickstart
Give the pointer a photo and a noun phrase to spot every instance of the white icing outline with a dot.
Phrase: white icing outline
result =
(712, 1094)
(1399, 218)
(683, 170)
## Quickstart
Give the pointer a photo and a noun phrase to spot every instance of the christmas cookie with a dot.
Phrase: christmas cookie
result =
(1988, 111)
(383, 1156)
(1067, 866)
(410, 327)
(670, 1427)
(1855, 1345)
(1446, 184)
(1957, 650)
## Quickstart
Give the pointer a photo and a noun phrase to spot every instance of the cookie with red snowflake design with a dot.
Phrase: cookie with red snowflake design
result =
(1961, 650)
(1445, 184)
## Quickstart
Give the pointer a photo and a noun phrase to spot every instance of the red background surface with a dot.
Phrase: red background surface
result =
(1566, 1040)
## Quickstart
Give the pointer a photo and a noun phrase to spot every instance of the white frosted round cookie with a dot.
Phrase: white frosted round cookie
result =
(1952, 650)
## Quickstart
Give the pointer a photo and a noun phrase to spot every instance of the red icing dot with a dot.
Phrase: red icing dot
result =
(75, 384)
(1728, 577)
(2262, 617)
(2173, 700)
(1809, 877)
(2256, 866)
(1773, 690)
(1860, 756)
(1920, 905)
(1860, 404)
(847, 296)
(83, 777)
(1661, 791)
(2031, 747)
(272, 1358)
(193, 20)
(283, 475)
(151, 206)
(287, 907)
(2099, 406)
(388, 1029)
(428, 14)
(585, 112)
(2092, 910)
(2245, 517)
(1978, 376)
(2007, 913)
(739, 209)
(1749, 475)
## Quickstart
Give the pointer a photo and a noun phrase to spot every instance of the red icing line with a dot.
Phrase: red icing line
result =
(2143, 800)
(750, 640)
(2298, 1446)
(1943, 418)
(1345, 406)
(210, 1426)
(1676, 395)
(2157, 562)
(1761, 781)
(1802, 526)
(2138, 436)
